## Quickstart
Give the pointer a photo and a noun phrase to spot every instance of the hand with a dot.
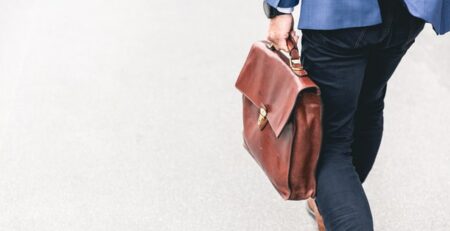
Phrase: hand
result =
(280, 27)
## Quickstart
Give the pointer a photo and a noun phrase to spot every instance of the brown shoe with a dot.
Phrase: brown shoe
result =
(314, 212)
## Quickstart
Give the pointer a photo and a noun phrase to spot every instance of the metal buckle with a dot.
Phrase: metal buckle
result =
(295, 61)
(262, 118)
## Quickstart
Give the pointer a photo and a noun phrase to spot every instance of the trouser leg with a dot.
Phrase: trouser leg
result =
(339, 71)
(368, 128)
(383, 59)
(352, 67)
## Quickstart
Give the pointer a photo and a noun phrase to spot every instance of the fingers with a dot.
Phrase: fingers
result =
(280, 42)
(278, 39)
(294, 35)
(280, 28)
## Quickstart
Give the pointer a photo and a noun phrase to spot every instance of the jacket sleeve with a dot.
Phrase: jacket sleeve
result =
(283, 3)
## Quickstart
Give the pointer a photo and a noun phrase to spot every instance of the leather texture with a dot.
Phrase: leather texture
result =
(287, 147)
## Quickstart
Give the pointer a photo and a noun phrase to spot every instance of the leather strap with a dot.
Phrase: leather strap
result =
(292, 46)
(294, 54)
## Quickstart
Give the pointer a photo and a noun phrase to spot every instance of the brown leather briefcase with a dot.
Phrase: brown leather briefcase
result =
(282, 113)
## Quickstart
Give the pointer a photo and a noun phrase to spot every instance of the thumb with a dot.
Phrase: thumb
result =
(282, 45)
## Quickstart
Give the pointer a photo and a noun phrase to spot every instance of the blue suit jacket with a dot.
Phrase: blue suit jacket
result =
(337, 14)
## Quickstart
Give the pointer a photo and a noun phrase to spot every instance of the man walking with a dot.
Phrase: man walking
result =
(350, 49)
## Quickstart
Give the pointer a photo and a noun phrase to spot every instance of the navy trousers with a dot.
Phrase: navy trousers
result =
(352, 67)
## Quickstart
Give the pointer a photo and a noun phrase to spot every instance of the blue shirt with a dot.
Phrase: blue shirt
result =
(337, 14)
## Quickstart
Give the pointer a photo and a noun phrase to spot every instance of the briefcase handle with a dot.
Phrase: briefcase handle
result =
(293, 48)
(293, 55)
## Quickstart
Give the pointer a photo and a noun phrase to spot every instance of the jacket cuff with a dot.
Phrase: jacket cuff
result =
(283, 3)
(285, 10)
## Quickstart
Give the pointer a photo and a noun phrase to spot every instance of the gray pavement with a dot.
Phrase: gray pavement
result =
(122, 115)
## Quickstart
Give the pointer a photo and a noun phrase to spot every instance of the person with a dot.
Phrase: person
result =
(350, 49)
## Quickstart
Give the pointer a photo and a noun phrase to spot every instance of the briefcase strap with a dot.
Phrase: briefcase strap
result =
(293, 55)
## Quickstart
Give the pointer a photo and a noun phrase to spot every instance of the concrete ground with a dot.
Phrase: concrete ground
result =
(122, 115)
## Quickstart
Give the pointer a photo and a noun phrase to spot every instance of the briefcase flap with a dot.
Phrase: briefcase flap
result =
(268, 81)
